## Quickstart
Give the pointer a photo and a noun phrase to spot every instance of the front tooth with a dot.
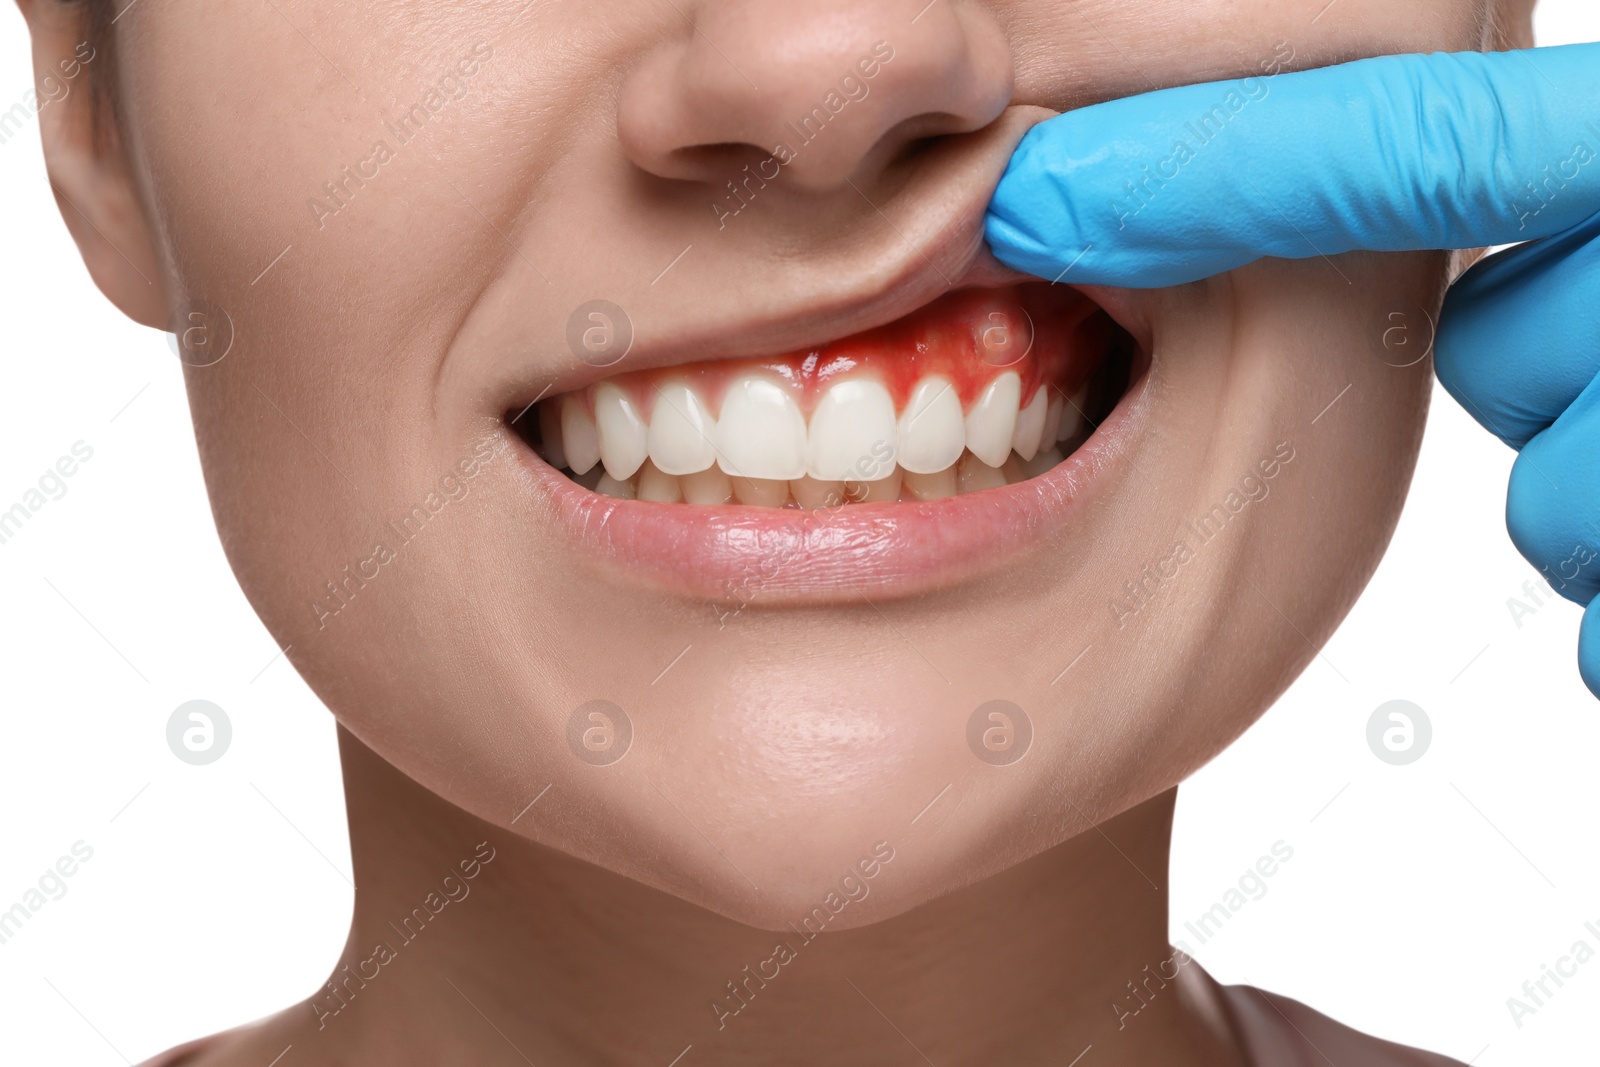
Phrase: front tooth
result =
(1072, 417)
(550, 434)
(1014, 470)
(1030, 425)
(578, 436)
(761, 433)
(761, 492)
(852, 432)
(681, 431)
(875, 491)
(931, 433)
(973, 474)
(993, 419)
(617, 487)
(710, 486)
(622, 431)
(1052, 421)
(811, 493)
(935, 486)
(658, 486)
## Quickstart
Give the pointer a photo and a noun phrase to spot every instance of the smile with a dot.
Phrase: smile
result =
(921, 449)
(980, 389)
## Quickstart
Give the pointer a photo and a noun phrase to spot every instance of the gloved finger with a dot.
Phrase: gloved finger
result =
(1533, 306)
(1589, 647)
(1553, 502)
(1389, 154)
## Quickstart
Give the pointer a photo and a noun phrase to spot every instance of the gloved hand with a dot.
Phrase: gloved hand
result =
(1393, 154)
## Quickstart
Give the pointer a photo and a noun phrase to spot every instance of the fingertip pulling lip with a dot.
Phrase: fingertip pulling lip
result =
(754, 556)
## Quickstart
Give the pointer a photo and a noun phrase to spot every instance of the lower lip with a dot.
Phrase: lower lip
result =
(869, 552)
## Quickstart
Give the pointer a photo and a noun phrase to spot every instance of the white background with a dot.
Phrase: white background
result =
(1418, 898)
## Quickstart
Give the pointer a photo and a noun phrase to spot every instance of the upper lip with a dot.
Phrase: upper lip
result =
(937, 215)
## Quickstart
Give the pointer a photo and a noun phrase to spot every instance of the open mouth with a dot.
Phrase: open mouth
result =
(980, 389)
(890, 462)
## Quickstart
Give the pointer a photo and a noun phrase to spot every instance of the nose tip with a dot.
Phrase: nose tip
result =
(826, 90)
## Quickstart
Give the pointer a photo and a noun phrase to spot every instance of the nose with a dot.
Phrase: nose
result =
(825, 89)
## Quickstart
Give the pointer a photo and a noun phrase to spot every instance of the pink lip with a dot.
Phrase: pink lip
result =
(758, 555)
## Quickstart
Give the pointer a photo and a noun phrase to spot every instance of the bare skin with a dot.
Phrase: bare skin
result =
(386, 336)
(561, 961)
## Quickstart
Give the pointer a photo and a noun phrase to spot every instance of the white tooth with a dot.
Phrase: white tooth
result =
(1052, 420)
(811, 493)
(761, 492)
(578, 436)
(1044, 461)
(550, 434)
(761, 433)
(590, 479)
(1014, 469)
(658, 486)
(993, 418)
(622, 431)
(1072, 419)
(710, 486)
(973, 474)
(931, 433)
(935, 486)
(609, 486)
(852, 432)
(875, 491)
(1030, 425)
(681, 431)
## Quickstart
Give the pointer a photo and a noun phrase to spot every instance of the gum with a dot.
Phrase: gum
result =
(969, 337)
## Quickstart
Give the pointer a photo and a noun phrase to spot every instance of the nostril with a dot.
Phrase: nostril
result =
(918, 130)
(825, 88)
(711, 163)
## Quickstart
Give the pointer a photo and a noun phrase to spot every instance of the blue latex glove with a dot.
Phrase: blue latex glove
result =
(1390, 154)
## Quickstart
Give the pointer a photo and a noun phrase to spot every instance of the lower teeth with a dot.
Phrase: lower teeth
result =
(713, 486)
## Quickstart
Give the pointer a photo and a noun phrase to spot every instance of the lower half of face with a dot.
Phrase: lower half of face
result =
(749, 677)
(785, 553)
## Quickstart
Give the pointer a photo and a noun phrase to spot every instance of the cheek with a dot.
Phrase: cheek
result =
(1132, 48)
(330, 198)
(1326, 382)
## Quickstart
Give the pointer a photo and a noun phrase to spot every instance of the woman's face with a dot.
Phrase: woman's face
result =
(407, 212)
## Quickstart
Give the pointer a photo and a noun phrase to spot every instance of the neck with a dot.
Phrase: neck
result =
(526, 949)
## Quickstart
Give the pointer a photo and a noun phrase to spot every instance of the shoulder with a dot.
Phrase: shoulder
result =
(259, 1044)
(1283, 1032)
(183, 1056)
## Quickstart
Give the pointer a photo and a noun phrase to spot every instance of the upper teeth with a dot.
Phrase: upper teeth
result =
(852, 418)
(931, 433)
(760, 434)
(624, 434)
(682, 437)
(992, 422)
(854, 433)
